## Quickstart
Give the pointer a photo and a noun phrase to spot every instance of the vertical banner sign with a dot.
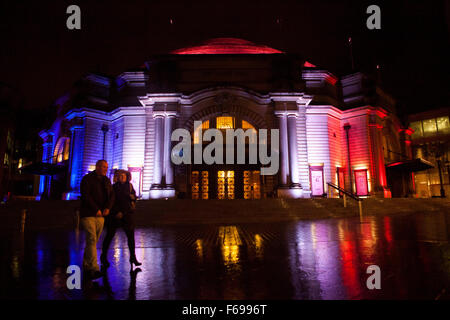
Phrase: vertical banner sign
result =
(316, 175)
(361, 182)
(136, 178)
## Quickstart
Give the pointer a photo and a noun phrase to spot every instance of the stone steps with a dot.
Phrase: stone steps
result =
(60, 214)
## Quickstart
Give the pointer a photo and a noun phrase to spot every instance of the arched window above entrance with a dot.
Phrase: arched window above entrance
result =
(62, 150)
(221, 123)
(247, 125)
(225, 123)
(199, 129)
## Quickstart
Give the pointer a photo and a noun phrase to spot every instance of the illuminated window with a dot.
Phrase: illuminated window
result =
(62, 150)
(417, 127)
(9, 140)
(252, 185)
(247, 125)
(385, 147)
(66, 150)
(224, 122)
(419, 153)
(225, 184)
(443, 125)
(429, 127)
(197, 131)
(200, 185)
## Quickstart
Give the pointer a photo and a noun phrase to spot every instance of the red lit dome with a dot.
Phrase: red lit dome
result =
(227, 46)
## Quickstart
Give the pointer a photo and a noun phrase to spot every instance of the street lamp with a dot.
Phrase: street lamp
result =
(447, 165)
(440, 179)
(347, 127)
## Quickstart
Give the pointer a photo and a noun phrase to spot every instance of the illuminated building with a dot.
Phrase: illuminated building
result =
(431, 141)
(228, 83)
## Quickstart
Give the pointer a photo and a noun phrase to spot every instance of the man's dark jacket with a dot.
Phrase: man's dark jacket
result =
(96, 194)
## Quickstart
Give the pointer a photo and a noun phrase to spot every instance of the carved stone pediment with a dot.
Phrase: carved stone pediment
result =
(225, 101)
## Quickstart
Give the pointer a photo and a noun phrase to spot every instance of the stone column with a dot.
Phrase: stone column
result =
(284, 165)
(149, 153)
(159, 152)
(292, 138)
(168, 165)
(44, 185)
(378, 173)
(302, 144)
(76, 157)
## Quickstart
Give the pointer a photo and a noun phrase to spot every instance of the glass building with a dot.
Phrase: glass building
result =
(431, 141)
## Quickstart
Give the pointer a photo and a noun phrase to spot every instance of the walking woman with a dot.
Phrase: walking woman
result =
(121, 216)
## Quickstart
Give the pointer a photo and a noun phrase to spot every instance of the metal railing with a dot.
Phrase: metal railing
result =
(346, 194)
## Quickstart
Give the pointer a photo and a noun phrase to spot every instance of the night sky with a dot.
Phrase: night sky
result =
(42, 59)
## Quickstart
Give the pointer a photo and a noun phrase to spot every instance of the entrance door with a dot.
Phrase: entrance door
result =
(225, 184)
(200, 184)
(252, 184)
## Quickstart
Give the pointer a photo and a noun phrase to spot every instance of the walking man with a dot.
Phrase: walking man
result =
(97, 199)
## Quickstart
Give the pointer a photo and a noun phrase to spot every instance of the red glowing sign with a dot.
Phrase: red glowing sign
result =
(316, 176)
(361, 182)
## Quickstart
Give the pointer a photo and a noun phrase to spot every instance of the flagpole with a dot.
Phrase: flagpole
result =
(351, 52)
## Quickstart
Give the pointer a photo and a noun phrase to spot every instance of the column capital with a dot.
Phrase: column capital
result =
(76, 127)
(279, 114)
(164, 114)
(287, 113)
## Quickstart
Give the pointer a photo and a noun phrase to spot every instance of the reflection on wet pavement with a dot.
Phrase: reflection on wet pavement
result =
(323, 259)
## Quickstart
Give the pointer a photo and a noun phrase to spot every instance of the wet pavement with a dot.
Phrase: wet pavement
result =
(317, 259)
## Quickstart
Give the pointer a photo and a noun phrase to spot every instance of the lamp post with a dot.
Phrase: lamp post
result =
(347, 128)
(447, 165)
(440, 179)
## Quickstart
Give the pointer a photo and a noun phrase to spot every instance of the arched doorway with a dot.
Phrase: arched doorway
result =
(225, 181)
(60, 157)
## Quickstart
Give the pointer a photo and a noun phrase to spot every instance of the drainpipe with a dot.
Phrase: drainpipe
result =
(347, 128)
(105, 130)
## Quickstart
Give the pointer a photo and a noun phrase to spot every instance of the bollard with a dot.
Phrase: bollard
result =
(345, 201)
(23, 217)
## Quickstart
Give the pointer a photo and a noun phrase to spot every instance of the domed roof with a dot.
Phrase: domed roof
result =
(227, 46)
